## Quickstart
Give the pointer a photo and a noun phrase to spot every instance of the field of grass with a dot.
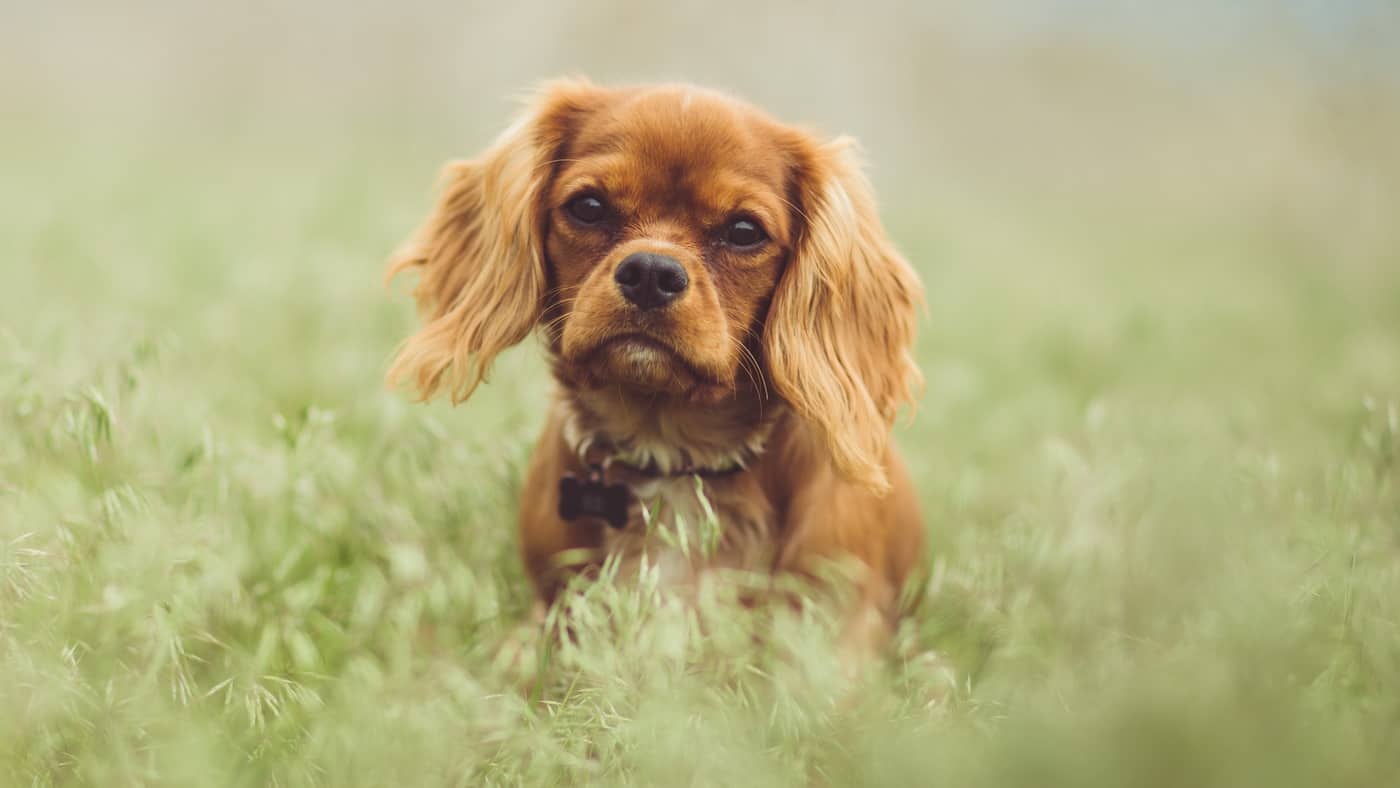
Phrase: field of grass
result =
(1158, 454)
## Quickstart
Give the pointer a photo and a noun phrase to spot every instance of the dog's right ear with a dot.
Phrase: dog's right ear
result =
(480, 255)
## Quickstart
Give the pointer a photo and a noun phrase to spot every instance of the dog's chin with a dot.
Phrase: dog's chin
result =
(639, 363)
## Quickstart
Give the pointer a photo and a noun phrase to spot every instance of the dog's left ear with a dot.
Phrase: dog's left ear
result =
(840, 329)
(479, 255)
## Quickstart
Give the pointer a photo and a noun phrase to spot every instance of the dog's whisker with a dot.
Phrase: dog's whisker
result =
(754, 373)
(795, 207)
(554, 323)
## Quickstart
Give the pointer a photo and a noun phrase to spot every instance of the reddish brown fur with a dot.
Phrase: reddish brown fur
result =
(799, 347)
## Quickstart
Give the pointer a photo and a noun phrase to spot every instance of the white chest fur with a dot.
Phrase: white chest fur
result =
(682, 531)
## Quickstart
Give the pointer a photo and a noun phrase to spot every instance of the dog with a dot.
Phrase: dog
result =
(728, 328)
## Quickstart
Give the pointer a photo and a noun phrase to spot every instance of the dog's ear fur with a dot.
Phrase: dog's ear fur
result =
(479, 255)
(840, 329)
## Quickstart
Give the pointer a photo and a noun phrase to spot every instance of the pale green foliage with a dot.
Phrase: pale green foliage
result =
(1157, 459)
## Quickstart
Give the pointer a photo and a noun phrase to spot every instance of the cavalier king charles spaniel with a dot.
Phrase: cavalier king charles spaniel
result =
(727, 325)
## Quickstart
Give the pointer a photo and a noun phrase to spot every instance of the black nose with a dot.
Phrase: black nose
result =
(650, 280)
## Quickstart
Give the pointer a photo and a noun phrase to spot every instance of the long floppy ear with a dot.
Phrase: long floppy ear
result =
(841, 324)
(480, 256)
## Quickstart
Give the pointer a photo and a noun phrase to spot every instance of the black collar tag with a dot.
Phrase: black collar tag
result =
(593, 497)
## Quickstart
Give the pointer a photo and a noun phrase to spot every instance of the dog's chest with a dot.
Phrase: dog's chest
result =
(683, 528)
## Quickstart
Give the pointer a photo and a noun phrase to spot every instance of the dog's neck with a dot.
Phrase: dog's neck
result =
(666, 436)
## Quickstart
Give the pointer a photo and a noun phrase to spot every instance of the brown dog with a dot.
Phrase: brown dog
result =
(728, 326)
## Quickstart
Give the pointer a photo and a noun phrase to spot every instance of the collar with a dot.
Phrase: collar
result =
(601, 456)
(642, 461)
(605, 491)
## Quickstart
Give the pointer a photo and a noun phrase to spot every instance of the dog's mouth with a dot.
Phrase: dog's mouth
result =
(645, 361)
(639, 343)
(647, 350)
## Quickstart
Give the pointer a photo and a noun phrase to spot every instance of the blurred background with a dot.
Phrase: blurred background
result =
(1072, 117)
(1157, 452)
(1068, 94)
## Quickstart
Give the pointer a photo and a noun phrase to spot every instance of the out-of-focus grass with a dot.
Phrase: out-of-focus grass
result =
(1159, 456)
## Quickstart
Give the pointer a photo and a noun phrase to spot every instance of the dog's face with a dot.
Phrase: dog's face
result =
(670, 242)
(667, 225)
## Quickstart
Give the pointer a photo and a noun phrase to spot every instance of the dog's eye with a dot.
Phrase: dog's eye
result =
(744, 234)
(588, 209)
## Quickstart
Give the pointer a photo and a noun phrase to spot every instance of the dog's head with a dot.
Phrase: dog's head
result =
(671, 242)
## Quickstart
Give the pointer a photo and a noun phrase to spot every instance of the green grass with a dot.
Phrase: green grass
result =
(1158, 456)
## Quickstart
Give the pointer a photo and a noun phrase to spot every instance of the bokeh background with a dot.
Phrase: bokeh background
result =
(1157, 452)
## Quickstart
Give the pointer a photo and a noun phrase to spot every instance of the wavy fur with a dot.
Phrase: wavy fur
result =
(839, 333)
